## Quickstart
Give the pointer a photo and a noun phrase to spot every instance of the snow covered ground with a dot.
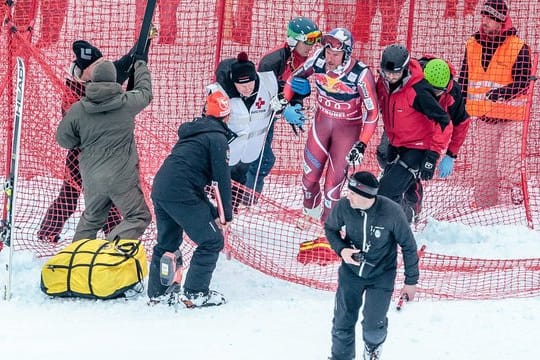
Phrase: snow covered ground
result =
(267, 318)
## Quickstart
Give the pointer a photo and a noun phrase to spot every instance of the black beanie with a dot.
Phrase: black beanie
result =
(495, 9)
(364, 183)
(85, 54)
(243, 70)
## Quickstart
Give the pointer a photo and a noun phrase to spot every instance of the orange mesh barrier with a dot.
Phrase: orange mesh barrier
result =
(496, 179)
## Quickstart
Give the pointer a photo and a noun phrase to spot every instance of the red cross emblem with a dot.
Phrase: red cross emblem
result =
(260, 102)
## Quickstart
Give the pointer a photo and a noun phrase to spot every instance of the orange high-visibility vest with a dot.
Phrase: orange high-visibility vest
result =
(498, 74)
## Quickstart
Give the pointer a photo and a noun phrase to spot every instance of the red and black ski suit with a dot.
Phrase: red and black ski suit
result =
(347, 112)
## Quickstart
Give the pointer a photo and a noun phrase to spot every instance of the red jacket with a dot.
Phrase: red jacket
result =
(412, 116)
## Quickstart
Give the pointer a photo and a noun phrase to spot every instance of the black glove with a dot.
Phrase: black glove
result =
(427, 167)
(136, 57)
(494, 95)
(356, 154)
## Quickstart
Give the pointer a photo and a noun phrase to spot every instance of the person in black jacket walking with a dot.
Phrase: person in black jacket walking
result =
(374, 226)
(180, 203)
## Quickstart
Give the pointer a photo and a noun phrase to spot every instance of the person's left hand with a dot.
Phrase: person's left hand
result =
(294, 115)
(446, 166)
(409, 291)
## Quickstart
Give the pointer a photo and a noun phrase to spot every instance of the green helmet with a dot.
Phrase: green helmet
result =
(437, 73)
(302, 29)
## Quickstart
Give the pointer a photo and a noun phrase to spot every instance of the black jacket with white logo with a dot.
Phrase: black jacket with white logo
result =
(376, 231)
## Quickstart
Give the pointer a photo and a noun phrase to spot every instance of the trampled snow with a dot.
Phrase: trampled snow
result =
(266, 318)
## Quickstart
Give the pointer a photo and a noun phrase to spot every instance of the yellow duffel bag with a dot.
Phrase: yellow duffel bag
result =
(95, 269)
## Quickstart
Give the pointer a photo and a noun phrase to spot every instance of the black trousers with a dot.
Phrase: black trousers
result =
(399, 184)
(351, 289)
(198, 222)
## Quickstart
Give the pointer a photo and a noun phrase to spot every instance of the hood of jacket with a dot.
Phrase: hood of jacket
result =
(202, 125)
(102, 96)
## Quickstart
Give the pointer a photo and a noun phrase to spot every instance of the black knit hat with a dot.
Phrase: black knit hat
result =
(85, 54)
(495, 9)
(243, 70)
(364, 183)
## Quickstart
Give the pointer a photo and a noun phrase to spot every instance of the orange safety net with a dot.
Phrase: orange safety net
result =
(496, 179)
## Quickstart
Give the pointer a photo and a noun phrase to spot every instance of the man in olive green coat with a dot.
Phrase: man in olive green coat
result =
(102, 125)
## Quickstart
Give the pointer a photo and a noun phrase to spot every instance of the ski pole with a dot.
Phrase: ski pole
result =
(402, 298)
(221, 213)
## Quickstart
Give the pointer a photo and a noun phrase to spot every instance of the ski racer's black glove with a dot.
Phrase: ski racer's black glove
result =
(356, 154)
(427, 167)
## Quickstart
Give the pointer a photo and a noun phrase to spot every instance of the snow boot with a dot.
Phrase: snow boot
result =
(201, 299)
(372, 353)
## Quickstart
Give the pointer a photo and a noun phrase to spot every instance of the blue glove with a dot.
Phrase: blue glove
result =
(300, 86)
(446, 166)
(294, 115)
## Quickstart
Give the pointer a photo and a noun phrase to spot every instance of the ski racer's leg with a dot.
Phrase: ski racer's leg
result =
(343, 138)
(315, 156)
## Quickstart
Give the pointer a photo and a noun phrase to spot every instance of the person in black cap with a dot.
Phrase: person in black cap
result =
(494, 78)
(374, 226)
(87, 57)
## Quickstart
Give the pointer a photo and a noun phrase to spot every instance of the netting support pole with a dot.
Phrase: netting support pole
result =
(410, 25)
(524, 137)
(220, 12)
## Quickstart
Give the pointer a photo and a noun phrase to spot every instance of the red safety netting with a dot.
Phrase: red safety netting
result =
(193, 37)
